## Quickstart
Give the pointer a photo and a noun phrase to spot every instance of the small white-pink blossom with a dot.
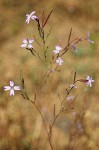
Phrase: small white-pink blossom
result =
(88, 38)
(89, 81)
(70, 98)
(30, 16)
(11, 88)
(58, 48)
(79, 127)
(72, 86)
(74, 113)
(59, 61)
(74, 48)
(27, 43)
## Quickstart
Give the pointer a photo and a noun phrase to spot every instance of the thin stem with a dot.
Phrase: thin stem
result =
(54, 121)
(61, 109)
(51, 146)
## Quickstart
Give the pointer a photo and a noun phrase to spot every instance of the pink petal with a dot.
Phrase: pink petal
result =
(30, 46)
(30, 41)
(11, 92)
(11, 83)
(58, 48)
(7, 88)
(27, 20)
(16, 87)
(34, 17)
(24, 45)
(33, 12)
(24, 41)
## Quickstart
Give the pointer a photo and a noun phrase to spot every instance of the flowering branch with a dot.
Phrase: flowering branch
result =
(53, 65)
(25, 96)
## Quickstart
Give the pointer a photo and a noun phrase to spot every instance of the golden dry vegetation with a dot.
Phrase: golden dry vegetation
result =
(21, 126)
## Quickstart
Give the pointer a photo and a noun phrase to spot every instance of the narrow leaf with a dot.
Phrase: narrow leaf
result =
(35, 98)
(22, 83)
(47, 18)
(42, 19)
(75, 76)
(69, 36)
(54, 110)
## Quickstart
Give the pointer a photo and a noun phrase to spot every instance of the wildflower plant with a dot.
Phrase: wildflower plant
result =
(54, 65)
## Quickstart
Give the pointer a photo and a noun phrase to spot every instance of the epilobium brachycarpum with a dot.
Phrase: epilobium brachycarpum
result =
(53, 65)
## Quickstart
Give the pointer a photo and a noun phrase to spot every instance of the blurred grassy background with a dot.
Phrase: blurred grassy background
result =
(20, 125)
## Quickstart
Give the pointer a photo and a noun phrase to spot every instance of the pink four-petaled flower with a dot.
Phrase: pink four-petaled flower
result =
(11, 88)
(27, 43)
(59, 61)
(30, 16)
(58, 48)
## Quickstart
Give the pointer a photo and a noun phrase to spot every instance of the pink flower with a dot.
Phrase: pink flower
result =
(89, 81)
(58, 48)
(70, 98)
(72, 86)
(88, 38)
(59, 61)
(27, 43)
(30, 16)
(11, 88)
(74, 48)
